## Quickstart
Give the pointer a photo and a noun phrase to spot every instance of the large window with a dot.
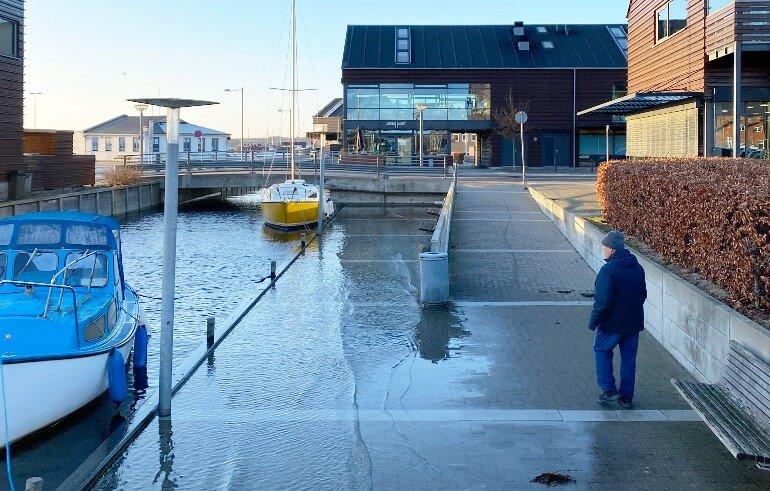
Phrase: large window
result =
(90, 271)
(9, 38)
(755, 130)
(108, 144)
(36, 267)
(94, 143)
(121, 144)
(135, 144)
(156, 144)
(187, 145)
(215, 144)
(397, 102)
(671, 19)
(715, 5)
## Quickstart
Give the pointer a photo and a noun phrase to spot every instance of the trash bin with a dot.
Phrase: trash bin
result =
(434, 278)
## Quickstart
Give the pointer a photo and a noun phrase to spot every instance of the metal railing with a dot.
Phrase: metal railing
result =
(307, 164)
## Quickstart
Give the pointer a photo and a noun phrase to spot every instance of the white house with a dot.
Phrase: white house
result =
(119, 137)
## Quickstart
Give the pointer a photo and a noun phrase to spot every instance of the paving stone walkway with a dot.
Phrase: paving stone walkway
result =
(521, 296)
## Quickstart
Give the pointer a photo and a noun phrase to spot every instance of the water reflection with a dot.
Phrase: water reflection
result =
(437, 328)
(165, 455)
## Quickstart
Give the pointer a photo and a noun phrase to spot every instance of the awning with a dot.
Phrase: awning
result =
(634, 103)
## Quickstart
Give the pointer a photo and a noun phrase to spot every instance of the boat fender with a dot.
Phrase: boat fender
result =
(116, 376)
(140, 347)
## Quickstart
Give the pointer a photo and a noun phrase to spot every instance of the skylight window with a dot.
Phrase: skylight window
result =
(403, 45)
(542, 30)
(621, 38)
(548, 45)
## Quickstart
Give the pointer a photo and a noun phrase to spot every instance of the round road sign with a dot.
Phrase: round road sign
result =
(521, 117)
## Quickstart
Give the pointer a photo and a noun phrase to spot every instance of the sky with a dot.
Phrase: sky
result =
(87, 57)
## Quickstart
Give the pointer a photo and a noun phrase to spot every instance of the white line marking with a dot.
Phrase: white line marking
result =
(501, 220)
(534, 303)
(480, 212)
(425, 235)
(516, 251)
(378, 260)
(494, 416)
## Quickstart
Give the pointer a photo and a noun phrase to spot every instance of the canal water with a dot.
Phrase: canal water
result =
(275, 406)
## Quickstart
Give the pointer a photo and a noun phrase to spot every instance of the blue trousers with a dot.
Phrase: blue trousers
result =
(604, 345)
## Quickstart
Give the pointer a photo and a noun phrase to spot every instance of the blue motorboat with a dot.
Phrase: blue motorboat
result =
(68, 320)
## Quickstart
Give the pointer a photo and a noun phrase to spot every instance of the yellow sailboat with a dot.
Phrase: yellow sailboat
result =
(294, 203)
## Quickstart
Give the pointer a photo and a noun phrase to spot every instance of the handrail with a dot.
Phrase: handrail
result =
(44, 315)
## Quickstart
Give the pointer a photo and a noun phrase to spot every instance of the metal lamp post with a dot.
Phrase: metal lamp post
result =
(141, 108)
(243, 99)
(34, 108)
(170, 209)
(421, 108)
(521, 118)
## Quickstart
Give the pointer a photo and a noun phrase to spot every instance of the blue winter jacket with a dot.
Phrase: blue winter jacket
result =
(619, 295)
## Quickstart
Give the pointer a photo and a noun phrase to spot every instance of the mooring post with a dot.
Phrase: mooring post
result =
(302, 243)
(210, 327)
(273, 268)
(34, 484)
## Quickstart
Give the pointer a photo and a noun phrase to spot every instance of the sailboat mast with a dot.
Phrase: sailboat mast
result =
(293, 80)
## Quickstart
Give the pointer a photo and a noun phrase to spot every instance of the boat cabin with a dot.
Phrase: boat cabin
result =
(60, 273)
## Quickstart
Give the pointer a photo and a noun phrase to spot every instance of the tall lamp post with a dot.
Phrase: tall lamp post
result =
(141, 108)
(243, 141)
(34, 108)
(421, 108)
(170, 209)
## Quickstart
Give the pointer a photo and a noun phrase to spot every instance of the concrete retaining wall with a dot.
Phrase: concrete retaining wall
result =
(689, 323)
(103, 201)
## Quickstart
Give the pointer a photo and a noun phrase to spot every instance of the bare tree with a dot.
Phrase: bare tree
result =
(505, 120)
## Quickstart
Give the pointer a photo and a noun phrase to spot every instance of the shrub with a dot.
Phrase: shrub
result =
(122, 175)
(711, 216)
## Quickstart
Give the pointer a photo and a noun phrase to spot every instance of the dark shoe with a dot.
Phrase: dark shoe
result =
(608, 397)
(626, 402)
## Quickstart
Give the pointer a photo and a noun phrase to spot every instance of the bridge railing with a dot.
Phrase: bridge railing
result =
(279, 162)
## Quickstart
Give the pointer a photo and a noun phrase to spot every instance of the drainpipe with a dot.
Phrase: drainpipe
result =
(737, 102)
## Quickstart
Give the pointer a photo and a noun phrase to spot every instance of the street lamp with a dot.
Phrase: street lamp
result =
(34, 108)
(170, 209)
(243, 141)
(141, 108)
(421, 108)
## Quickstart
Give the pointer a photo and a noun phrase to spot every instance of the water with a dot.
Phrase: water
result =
(342, 332)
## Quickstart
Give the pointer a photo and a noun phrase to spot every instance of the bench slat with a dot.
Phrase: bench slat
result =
(753, 440)
(741, 435)
(738, 350)
(747, 388)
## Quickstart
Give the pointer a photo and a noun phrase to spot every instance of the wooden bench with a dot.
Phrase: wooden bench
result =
(737, 410)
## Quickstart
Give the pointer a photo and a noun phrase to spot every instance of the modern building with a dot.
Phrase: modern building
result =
(11, 95)
(460, 78)
(327, 125)
(120, 137)
(698, 79)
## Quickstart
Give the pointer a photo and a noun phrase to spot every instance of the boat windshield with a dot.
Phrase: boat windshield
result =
(35, 267)
(86, 270)
(3, 265)
(6, 232)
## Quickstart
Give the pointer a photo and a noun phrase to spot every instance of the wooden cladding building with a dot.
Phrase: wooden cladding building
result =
(11, 92)
(458, 79)
(699, 78)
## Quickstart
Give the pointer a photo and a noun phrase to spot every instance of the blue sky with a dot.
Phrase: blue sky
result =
(88, 57)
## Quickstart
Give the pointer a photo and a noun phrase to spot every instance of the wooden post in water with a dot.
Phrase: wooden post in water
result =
(210, 328)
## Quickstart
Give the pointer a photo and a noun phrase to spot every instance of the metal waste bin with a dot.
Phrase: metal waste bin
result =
(434, 278)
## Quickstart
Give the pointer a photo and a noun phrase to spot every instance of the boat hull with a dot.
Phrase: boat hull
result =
(290, 214)
(40, 393)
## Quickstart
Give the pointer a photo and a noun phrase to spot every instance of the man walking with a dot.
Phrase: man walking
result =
(618, 318)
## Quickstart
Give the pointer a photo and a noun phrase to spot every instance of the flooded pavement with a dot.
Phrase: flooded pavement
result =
(339, 380)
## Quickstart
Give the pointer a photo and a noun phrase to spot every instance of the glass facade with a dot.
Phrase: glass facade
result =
(397, 102)
(395, 143)
(755, 130)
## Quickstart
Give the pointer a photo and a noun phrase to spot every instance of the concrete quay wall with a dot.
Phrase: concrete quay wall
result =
(692, 325)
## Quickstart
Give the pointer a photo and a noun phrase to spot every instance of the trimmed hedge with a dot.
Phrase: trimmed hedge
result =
(711, 216)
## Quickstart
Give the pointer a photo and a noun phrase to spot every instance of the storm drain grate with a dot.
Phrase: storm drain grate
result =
(428, 226)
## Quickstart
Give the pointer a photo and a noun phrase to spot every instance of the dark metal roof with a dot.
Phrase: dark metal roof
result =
(123, 125)
(486, 47)
(173, 103)
(331, 110)
(634, 103)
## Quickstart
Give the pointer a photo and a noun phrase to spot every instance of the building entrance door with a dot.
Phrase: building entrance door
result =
(556, 150)
(404, 149)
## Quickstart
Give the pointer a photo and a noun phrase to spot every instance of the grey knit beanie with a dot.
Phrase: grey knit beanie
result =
(615, 240)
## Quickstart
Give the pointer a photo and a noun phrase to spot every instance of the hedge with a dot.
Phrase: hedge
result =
(710, 216)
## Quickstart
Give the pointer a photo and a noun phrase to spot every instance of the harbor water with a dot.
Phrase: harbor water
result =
(277, 403)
